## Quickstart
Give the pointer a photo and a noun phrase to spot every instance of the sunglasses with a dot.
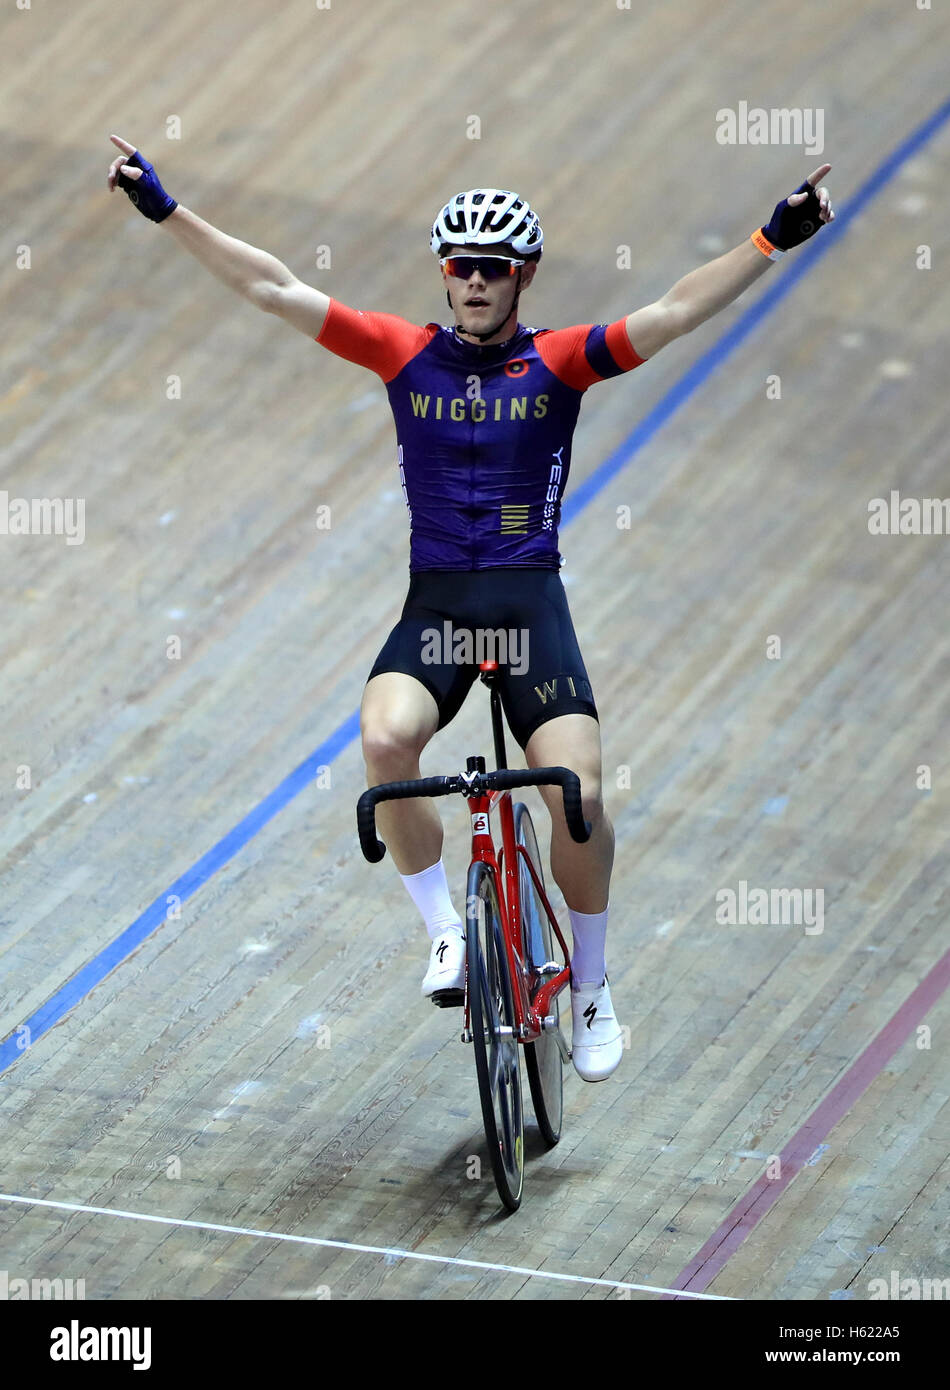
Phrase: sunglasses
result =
(491, 267)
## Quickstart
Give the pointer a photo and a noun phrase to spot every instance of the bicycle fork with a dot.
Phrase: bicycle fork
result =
(531, 1022)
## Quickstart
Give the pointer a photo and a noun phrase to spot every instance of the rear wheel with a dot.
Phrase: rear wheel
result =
(543, 1057)
(492, 1019)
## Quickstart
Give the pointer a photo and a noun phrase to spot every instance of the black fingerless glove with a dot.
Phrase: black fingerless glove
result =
(146, 193)
(790, 226)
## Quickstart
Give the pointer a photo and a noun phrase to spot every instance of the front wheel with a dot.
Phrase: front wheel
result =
(543, 1056)
(492, 1019)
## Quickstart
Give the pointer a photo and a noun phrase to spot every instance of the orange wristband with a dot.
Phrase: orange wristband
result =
(759, 239)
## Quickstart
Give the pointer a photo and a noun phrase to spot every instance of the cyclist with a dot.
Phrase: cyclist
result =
(484, 412)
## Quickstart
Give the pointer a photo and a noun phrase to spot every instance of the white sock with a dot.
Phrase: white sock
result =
(429, 891)
(588, 965)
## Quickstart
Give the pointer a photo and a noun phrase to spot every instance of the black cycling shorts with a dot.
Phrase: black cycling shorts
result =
(453, 619)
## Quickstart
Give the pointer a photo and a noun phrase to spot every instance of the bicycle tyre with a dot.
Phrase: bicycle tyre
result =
(543, 1061)
(497, 1060)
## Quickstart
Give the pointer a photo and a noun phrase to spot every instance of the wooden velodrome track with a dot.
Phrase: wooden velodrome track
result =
(258, 1057)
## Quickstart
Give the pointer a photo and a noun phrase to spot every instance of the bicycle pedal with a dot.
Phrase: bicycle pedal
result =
(448, 998)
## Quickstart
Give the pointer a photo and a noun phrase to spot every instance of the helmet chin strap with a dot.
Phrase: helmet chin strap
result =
(492, 331)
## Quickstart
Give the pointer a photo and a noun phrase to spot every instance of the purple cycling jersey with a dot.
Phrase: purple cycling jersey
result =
(483, 433)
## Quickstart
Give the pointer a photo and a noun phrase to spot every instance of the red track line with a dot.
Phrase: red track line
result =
(748, 1212)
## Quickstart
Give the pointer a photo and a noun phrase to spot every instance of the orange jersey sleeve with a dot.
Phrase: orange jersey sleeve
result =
(382, 342)
(588, 352)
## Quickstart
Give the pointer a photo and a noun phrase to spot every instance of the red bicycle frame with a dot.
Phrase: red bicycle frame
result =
(530, 1014)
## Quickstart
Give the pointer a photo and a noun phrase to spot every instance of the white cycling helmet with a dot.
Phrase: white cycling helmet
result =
(487, 217)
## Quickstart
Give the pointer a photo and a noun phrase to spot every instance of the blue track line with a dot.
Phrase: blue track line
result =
(58, 1005)
(182, 889)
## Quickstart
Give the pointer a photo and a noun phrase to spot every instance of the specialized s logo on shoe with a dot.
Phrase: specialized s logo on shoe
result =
(444, 980)
(595, 1054)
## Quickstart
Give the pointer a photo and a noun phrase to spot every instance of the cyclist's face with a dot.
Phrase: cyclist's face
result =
(480, 303)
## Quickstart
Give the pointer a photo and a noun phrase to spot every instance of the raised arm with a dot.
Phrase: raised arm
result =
(709, 288)
(255, 274)
(252, 273)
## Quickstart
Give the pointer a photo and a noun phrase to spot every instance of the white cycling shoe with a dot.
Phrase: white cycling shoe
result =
(444, 983)
(597, 1041)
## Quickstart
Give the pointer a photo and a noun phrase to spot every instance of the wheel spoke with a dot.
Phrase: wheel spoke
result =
(494, 1067)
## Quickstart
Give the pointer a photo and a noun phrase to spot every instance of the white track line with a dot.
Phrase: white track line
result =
(347, 1245)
